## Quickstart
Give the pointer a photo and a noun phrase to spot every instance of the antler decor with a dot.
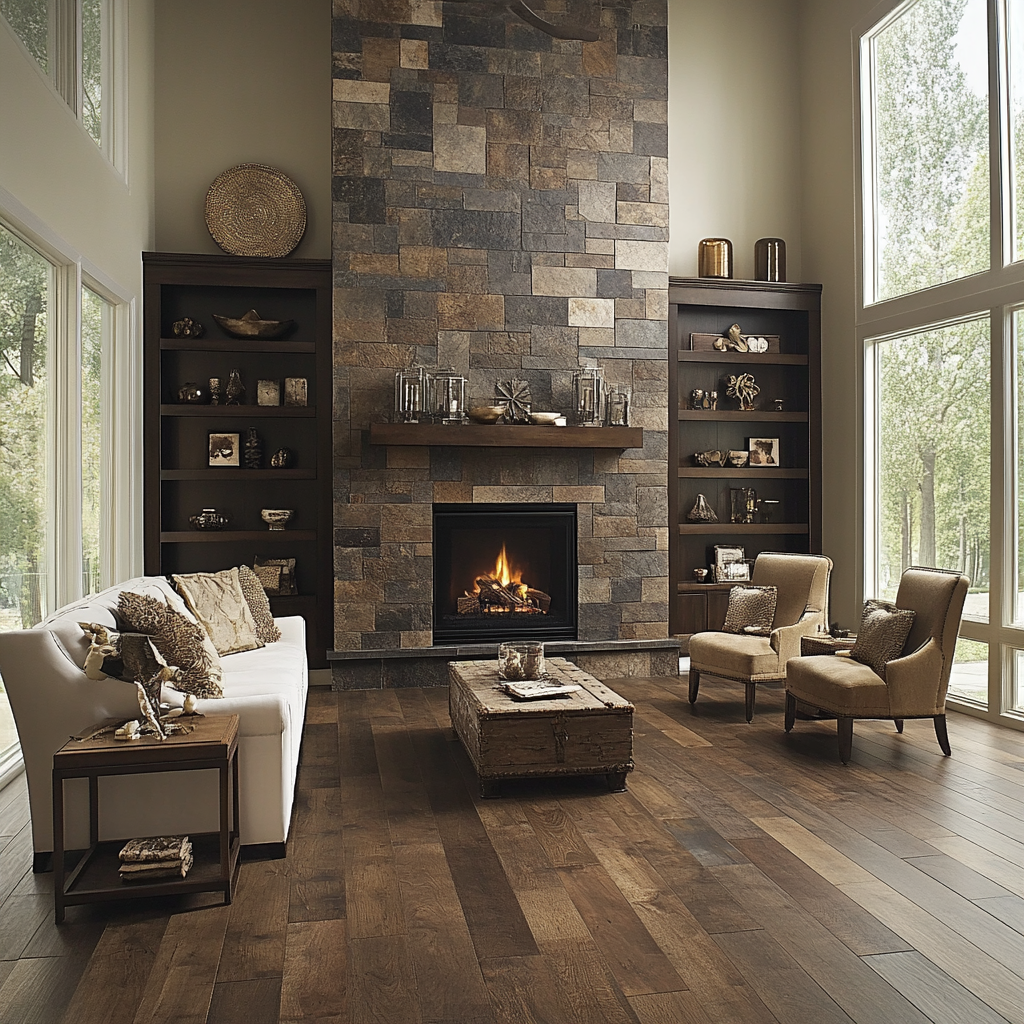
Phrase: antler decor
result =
(524, 12)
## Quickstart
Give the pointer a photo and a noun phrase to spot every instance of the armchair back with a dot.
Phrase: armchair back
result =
(801, 580)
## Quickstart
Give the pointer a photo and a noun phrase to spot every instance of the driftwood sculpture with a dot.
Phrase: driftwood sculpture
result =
(524, 12)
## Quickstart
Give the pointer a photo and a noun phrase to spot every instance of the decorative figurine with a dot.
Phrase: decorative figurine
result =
(282, 458)
(209, 519)
(700, 574)
(515, 393)
(215, 394)
(702, 512)
(733, 341)
(710, 458)
(234, 393)
(295, 391)
(186, 327)
(744, 390)
(191, 393)
(252, 449)
(268, 392)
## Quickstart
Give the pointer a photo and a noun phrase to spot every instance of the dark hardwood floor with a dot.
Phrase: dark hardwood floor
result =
(746, 876)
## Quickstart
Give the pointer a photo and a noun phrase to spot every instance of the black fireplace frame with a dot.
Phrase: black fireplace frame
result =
(561, 521)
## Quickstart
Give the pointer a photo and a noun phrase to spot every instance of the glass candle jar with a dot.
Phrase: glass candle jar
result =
(448, 397)
(520, 661)
(619, 398)
(589, 394)
(410, 395)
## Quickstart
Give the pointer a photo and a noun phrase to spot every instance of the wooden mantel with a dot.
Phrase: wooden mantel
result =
(500, 435)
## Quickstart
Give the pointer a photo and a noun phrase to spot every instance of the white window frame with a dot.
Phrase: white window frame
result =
(997, 292)
(64, 79)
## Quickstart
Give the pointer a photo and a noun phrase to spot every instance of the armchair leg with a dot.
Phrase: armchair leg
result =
(790, 710)
(844, 726)
(750, 701)
(941, 735)
(694, 684)
(899, 724)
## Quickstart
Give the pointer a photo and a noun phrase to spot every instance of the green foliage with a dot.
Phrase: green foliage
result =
(30, 21)
(92, 67)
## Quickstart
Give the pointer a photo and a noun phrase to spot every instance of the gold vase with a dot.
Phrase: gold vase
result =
(714, 257)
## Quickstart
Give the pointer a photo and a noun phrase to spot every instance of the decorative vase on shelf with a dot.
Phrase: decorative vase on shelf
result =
(234, 393)
(215, 392)
(252, 449)
(277, 518)
(714, 257)
(702, 512)
(282, 458)
(209, 519)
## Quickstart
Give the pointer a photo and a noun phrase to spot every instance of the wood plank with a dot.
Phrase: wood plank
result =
(246, 1002)
(931, 991)
(316, 884)
(254, 941)
(439, 942)
(382, 981)
(524, 990)
(1009, 910)
(20, 920)
(37, 990)
(958, 877)
(318, 757)
(668, 1008)
(587, 991)
(1006, 873)
(356, 753)
(112, 985)
(315, 984)
(180, 987)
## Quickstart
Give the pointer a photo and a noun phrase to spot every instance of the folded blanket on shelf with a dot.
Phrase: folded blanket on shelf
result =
(155, 848)
(178, 867)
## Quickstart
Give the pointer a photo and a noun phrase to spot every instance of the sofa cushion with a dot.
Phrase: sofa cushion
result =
(256, 598)
(182, 643)
(217, 601)
(838, 685)
(751, 610)
(734, 656)
(883, 631)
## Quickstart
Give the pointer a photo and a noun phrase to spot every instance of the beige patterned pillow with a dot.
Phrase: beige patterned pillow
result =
(883, 632)
(183, 644)
(256, 599)
(751, 610)
(217, 601)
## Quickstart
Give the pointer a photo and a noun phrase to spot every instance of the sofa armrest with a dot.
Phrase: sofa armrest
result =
(785, 640)
(914, 681)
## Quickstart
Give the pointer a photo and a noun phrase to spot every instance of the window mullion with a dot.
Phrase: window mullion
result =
(67, 52)
(1000, 189)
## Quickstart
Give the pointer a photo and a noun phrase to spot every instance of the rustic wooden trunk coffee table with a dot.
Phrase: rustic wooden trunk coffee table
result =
(589, 732)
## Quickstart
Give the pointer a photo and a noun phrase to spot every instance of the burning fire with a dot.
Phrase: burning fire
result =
(502, 592)
(507, 574)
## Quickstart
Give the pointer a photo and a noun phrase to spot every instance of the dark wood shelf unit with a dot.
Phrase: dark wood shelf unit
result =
(177, 480)
(242, 412)
(793, 313)
(500, 435)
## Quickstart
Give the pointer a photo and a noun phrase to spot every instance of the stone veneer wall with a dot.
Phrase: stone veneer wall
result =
(500, 206)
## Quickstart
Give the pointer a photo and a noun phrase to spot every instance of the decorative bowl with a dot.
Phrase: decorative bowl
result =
(486, 413)
(276, 518)
(209, 519)
(544, 418)
(251, 326)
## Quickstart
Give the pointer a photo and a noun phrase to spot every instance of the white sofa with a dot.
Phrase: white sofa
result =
(52, 699)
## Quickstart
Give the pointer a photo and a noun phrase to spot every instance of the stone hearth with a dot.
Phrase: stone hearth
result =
(501, 207)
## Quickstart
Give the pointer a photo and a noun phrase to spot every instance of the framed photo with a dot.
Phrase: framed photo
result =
(224, 449)
(729, 564)
(764, 451)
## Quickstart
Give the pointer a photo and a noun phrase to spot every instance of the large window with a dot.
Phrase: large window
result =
(942, 208)
(73, 43)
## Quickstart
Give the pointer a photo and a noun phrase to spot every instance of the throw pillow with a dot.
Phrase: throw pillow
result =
(751, 610)
(883, 632)
(216, 600)
(183, 644)
(256, 599)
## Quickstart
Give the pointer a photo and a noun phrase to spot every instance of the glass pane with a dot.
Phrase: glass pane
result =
(96, 319)
(1018, 335)
(933, 449)
(931, 202)
(25, 283)
(92, 67)
(30, 20)
(969, 678)
(1017, 702)
(1016, 52)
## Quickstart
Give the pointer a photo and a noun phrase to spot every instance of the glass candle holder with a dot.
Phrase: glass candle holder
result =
(769, 259)
(410, 395)
(520, 661)
(742, 504)
(589, 395)
(619, 400)
(714, 257)
(448, 397)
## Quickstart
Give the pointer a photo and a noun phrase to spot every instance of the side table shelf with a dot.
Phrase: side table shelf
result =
(94, 877)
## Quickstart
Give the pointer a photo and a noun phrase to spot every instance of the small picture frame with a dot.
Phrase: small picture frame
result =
(732, 572)
(764, 452)
(727, 555)
(225, 449)
(268, 392)
(295, 389)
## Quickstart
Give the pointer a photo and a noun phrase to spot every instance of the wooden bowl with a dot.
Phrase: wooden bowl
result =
(486, 413)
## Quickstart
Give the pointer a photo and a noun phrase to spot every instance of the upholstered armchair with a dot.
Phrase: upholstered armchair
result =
(801, 608)
(915, 682)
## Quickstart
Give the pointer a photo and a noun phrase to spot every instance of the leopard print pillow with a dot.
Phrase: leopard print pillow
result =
(256, 598)
(184, 644)
(751, 610)
(882, 634)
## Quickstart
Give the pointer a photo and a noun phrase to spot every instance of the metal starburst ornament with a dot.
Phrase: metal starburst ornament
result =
(515, 394)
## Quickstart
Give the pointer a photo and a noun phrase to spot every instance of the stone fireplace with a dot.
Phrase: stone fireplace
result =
(500, 207)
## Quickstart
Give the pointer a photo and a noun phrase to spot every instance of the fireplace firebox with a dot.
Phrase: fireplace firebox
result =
(504, 571)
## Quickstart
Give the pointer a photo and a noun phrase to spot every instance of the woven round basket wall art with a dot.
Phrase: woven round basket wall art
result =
(255, 210)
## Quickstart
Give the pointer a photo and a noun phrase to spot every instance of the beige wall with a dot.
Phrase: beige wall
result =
(241, 81)
(55, 171)
(734, 117)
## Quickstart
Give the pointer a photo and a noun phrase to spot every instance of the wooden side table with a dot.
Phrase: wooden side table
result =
(94, 879)
(825, 644)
